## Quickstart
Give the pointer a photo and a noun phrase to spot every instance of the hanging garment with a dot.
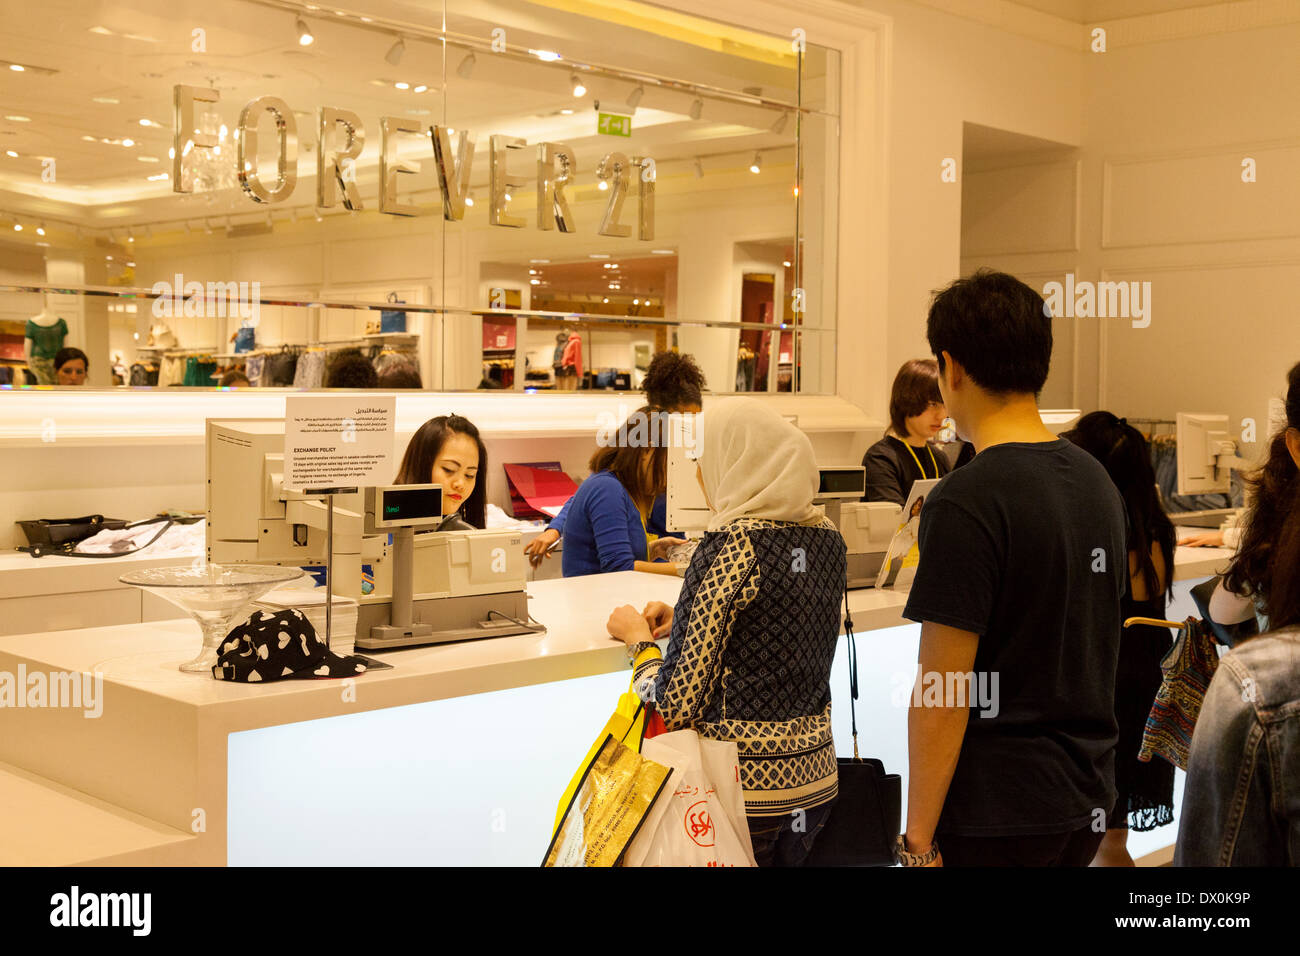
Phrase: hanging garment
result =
(42, 369)
(310, 370)
(6, 375)
(199, 371)
(254, 368)
(280, 368)
(572, 358)
(172, 370)
(46, 339)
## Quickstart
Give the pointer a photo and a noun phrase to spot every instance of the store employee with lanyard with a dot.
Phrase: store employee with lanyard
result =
(906, 455)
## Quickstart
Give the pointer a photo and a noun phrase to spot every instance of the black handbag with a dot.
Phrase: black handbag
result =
(865, 820)
(55, 533)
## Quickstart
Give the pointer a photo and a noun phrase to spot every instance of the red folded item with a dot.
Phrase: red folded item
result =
(538, 489)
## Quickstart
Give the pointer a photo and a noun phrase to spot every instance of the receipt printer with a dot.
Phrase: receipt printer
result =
(867, 528)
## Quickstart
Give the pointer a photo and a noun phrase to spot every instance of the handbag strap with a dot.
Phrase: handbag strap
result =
(853, 672)
(41, 550)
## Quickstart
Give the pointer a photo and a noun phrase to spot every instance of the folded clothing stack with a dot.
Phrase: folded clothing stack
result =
(312, 605)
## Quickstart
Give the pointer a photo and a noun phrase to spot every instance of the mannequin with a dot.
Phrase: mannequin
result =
(571, 361)
(41, 342)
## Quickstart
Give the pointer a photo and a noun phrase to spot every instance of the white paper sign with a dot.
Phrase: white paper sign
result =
(338, 441)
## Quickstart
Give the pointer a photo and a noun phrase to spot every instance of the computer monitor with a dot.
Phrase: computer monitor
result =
(1206, 454)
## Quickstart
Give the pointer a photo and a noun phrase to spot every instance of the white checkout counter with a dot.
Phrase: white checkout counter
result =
(456, 756)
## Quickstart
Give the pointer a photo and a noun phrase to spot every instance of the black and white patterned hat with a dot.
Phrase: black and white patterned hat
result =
(276, 646)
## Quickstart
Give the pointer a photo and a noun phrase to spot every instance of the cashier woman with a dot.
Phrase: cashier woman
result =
(907, 453)
(448, 451)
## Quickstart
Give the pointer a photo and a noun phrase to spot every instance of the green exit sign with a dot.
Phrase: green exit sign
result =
(614, 124)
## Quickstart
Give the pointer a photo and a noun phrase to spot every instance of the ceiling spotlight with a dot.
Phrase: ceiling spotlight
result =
(394, 54)
(128, 142)
(319, 218)
(697, 108)
(779, 126)
(578, 88)
(603, 185)
(605, 300)
(634, 98)
(534, 281)
(130, 236)
(786, 263)
(18, 227)
(11, 153)
(420, 89)
(17, 67)
(699, 168)
(636, 301)
(757, 165)
(466, 66)
(402, 85)
(469, 200)
(40, 230)
(304, 35)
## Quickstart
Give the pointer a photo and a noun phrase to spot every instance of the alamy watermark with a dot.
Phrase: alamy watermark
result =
(71, 689)
(652, 429)
(956, 689)
(214, 300)
(1102, 300)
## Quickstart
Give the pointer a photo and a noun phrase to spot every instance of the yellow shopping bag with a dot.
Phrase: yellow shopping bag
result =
(626, 725)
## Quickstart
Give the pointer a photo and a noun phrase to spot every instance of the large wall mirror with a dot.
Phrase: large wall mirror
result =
(516, 195)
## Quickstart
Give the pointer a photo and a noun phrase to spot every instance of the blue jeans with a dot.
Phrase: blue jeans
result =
(787, 841)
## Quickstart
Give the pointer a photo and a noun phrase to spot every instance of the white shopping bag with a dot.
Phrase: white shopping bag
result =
(699, 820)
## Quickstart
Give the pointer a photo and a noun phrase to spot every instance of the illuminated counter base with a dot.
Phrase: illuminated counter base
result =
(456, 756)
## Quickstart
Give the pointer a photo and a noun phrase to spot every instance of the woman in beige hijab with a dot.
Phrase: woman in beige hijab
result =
(755, 628)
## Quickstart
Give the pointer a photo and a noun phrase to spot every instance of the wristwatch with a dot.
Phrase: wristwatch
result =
(634, 650)
(906, 858)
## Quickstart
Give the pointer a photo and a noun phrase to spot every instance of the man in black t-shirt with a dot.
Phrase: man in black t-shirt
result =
(1022, 565)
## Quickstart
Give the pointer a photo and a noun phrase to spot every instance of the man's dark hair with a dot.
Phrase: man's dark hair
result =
(672, 381)
(997, 327)
(63, 356)
(351, 369)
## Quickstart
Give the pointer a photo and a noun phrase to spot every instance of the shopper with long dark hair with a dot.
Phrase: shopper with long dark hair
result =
(1241, 805)
(1272, 494)
(1145, 789)
(448, 451)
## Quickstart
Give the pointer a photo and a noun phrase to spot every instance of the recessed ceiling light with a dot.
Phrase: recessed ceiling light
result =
(786, 263)
(102, 31)
(663, 252)
(548, 56)
(543, 262)
(602, 185)
(532, 272)
(147, 122)
(88, 139)
(420, 89)
(566, 112)
(18, 227)
(18, 119)
(157, 177)
(402, 85)
(636, 301)
(147, 159)
(605, 300)
(10, 152)
(128, 142)
(40, 230)
(534, 281)
(17, 67)
(594, 255)
(106, 100)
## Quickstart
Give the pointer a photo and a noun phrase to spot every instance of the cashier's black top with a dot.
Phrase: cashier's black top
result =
(1026, 547)
(891, 469)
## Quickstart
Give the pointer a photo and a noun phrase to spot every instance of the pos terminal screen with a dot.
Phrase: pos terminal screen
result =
(416, 504)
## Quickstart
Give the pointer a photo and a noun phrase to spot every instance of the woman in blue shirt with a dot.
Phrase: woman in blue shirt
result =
(605, 527)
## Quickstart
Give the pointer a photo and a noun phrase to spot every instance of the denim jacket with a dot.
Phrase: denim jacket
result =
(1241, 805)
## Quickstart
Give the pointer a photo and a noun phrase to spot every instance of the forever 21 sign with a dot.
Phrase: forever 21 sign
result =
(341, 138)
